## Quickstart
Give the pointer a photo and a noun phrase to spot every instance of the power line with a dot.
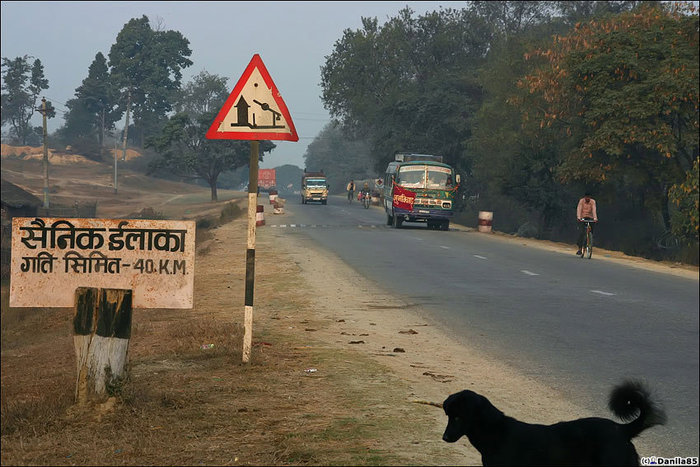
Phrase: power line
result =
(63, 111)
(54, 100)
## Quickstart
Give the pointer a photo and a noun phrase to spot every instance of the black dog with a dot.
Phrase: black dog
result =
(503, 440)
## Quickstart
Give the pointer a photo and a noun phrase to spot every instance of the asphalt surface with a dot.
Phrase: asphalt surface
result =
(580, 326)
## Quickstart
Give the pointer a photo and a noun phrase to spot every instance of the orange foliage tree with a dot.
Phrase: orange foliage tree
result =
(624, 91)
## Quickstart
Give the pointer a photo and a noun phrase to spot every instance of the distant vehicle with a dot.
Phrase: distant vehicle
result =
(314, 187)
(419, 188)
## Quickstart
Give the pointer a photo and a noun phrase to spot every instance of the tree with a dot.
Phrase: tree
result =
(409, 84)
(203, 94)
(584, 10)
(509, 18)
(685, 196)
(182, 146)
(184, 150)
(511, 158)
(99, 96)
(513, 165)
(146, 64)
(93, 111)
(22, 84)
(626, 88)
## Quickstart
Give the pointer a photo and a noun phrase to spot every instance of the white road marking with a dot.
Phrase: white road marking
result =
(529, 273)
(602, 293)
(480, 257)
(445, 247)
(292, 225)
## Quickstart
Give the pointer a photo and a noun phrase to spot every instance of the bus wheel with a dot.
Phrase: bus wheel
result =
(445, 225)
(397, 221)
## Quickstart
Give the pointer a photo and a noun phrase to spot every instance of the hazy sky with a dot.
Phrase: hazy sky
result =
(292, 39)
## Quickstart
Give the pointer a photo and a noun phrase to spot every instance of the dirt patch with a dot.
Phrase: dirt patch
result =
(6, 150)
(130, 153)
(58, 157)
(94, 182)
(27, 153)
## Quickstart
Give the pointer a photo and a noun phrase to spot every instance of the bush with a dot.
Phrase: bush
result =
(205, 223)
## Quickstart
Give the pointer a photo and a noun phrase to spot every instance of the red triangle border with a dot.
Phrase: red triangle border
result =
(214, 133)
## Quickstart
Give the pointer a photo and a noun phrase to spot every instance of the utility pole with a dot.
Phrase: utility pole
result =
(115, 164)
(42, 110)
(126, 126)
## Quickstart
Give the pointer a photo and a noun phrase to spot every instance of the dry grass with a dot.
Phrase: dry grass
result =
(185, 405)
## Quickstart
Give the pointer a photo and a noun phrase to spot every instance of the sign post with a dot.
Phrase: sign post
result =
(253, 111)
(250, 251)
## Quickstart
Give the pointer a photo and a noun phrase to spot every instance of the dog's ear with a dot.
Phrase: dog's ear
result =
(486, 412)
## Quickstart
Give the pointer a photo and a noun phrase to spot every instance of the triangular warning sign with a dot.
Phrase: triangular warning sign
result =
(254, 110)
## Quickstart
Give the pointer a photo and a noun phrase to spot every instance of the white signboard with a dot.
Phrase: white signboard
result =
(51, 257)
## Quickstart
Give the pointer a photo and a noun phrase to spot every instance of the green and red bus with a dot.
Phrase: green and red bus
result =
(419, 188)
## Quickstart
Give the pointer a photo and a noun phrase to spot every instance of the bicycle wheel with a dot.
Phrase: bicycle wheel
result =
(589, 245)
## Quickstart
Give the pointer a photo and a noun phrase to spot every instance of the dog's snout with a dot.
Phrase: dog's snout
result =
(450, 436)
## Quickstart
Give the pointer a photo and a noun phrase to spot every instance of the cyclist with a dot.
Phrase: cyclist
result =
(586, 209)
(365, 189)
(350, 189)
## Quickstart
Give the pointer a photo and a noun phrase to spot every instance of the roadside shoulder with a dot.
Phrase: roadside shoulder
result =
(664, 267)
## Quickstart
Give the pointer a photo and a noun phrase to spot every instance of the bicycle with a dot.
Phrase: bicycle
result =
(366, 199)
(587, 248)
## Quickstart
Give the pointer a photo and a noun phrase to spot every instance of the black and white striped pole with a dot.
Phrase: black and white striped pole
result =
(250, 250)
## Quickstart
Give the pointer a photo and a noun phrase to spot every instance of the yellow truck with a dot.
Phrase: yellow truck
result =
(314, 187)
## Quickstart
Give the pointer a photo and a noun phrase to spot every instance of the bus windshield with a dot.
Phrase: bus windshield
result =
(425, 176)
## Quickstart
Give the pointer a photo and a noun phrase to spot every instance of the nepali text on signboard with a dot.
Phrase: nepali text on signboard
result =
(51, 257)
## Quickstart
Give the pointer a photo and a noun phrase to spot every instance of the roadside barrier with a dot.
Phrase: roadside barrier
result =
(260, 215)
(485, 221)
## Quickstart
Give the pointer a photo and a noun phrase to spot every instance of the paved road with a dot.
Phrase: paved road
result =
(580, 326)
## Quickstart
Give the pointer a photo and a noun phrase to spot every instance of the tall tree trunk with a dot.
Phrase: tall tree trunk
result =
(212, 185)
(664, 207)
(102, 128)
